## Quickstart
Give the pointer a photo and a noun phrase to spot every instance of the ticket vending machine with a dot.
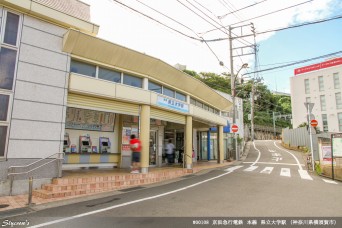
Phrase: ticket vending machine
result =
(85, 144)
(66, 144)
(104, 145)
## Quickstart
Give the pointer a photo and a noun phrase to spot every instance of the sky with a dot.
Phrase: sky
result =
(179, 27)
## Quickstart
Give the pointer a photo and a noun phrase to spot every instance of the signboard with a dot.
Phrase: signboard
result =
(314, 123)
(318, 66)
(172, 104)
(90, 120)
(336, 145)
(326, 154)
(235, 128)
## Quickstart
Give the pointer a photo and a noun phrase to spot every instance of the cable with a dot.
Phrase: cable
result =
(295, 63)
(279, 29)
(223, 16)
(217, 28)
(263, 15)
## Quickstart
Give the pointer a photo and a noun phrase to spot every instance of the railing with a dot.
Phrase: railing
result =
(11, 170)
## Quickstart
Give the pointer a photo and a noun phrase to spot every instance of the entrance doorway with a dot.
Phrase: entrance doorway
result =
(153, 148)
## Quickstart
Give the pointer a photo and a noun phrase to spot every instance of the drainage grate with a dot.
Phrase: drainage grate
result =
(131, 189)
(4, 205)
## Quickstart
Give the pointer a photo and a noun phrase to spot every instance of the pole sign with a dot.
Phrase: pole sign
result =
(314, 123)
(235, 128)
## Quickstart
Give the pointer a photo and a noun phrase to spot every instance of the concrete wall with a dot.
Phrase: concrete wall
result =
(39, 103)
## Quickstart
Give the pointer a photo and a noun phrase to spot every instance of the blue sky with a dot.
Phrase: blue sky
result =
(122, 26)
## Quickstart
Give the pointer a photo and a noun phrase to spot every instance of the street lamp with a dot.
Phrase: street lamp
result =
(232, 82)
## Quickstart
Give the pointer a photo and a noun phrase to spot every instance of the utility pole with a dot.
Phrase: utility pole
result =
(274, 130)
(233, 78)
(253, 88)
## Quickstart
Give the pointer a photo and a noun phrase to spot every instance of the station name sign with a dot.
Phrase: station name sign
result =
(318, 66)
(172, 104)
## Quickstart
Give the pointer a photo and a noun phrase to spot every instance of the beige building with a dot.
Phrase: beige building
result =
(319, 84)
(64, 90)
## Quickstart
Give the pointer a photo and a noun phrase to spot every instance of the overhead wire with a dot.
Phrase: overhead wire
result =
(223, 16)
(263, 15)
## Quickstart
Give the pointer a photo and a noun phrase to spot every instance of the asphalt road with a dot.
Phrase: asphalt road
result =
(271, 182)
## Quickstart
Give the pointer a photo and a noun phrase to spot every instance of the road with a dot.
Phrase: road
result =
(270, 182)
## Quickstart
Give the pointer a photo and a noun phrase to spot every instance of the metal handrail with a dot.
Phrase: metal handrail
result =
(11, 169)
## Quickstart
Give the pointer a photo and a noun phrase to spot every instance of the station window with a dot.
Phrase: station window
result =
(168, 92)
(307, 86)
(205, 107)
(323, 104)
(109, 75)
(154, 87)
(11, 29)
(325, 122)
(7, 67)
(180, 96)
(192, 101)
(321, 83)
(339, 121)
(3, 133)
(4, 102)
(83, 68)
(132, 80)
(336, 81)
(199, 104)
(338, 100)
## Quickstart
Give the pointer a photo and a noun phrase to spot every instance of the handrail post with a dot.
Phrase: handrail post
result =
(29, 203)
(11, 180)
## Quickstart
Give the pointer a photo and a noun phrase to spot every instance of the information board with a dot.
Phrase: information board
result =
(90, 120)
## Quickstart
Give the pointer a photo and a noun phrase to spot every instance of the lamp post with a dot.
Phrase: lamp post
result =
(232, 84)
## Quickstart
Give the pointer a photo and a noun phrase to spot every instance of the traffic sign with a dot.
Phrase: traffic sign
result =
(314, 123)
(235, 128)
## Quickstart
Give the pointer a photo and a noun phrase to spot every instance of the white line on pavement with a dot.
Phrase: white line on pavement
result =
(329, 181)
(273, 163)
(267, 170)
(285, 172)
(299, 165)
(251, 168)
(231, 169)
(304, 174)
(258, 155)
(125, 204)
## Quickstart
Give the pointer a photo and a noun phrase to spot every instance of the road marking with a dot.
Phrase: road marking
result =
(267, 170)
(258, 154)
(231, 169)
(329, 181)
(276, 155)
(251, 168)
(304, 174)
(275, 159)
(272, 151)
(280, 159)
(272, 163)
(285, 172)
(299, 165)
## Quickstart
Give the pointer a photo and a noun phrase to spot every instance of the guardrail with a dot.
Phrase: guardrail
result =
(11, 170)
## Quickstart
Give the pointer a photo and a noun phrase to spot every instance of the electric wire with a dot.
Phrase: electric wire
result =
(223, 16)
(263, 15)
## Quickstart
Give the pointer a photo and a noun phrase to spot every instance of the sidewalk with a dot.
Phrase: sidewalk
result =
(92, 190)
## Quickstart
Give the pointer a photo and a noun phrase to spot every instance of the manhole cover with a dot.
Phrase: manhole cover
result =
(4, 205)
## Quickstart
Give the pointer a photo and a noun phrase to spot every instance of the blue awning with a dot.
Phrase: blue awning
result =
(226, 129)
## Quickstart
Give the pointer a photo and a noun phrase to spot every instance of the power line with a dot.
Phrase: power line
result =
(263, 15)
(298, 62)
(223, 16)
(284, 28)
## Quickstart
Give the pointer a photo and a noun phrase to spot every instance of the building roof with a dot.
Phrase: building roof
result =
(125, 59)
(73, 8)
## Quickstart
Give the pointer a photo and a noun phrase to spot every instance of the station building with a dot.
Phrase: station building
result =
(62, 89)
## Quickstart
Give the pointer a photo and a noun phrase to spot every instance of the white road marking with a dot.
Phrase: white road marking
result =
(271, 151)
(258, 155)
(272, 163)
(231, 169)
(127, 203)
(329, 181)
(280, 159)
(304, 174)
(267, 170)
(251, 168)
(285, 172)
(299, 165)
(275, 159)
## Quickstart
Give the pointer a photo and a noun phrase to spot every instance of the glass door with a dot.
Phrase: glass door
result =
(153, 148)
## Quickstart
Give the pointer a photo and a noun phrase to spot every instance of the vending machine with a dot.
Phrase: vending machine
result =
(104, 145)
(66, 144)
(85, 144)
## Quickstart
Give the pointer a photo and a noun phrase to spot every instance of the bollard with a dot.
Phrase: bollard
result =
(30, 191)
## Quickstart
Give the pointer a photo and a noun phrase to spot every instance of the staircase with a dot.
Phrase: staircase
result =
(75, 186)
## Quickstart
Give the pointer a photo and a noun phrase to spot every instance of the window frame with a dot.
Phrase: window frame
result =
(156, 84)
(325, 123)
(98, 68)
(339, 114)
(336, 78)
(339, 100)
(307, 86)
(86, 63)
(169, 89)
(3, 28)
(132, 76)
(325, 103)
(320, 83)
